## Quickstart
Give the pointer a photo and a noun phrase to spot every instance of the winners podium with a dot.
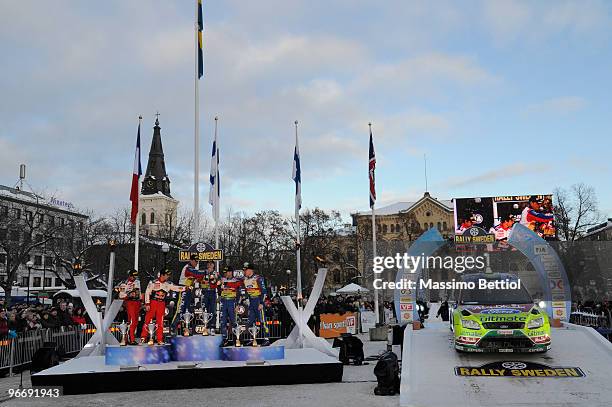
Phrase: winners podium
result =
(190, 362)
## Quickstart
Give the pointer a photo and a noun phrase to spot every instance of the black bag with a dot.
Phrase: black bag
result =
(351, 347)
(45, 357)
(387, 374)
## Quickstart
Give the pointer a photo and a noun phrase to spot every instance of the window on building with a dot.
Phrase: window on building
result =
(28, 216)
(397, 227)
(392, 228)
(24, 281)
(444, 225)
(58, 282)
(3, 234)
(48, 261)
(143, 219)
(152, 218)
(40, 218)
(2, 260)
(51, 220)
(17, 213)
(48, 281)
(4, 210)
(439, 226)
(80, 225)
(3, 278)
(38, 260)
(61, 221)
(36, 282)
(385, 228)
(425, 226)
(430, 225)
(350, 254)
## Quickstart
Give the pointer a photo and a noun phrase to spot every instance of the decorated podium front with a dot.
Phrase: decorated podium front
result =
(189, 349)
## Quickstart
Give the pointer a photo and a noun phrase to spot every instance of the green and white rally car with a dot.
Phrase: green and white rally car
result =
(498, 319)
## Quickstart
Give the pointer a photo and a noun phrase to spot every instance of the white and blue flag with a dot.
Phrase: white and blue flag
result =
(215, 187)
(297, 174)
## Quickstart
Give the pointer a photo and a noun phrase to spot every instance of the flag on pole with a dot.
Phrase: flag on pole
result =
(372, 169)
(136, 173)
(297, 173)
(200, 29)
(215, 181)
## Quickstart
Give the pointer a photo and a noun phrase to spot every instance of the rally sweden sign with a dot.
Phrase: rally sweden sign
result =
(518, 369)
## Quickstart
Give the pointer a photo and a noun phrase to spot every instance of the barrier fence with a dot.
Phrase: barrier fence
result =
(601, 322)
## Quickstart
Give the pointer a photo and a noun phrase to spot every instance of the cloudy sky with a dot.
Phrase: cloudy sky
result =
(504, 97)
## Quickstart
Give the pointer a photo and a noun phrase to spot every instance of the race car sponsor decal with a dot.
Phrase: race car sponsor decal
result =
(494, 309)
(510, 368)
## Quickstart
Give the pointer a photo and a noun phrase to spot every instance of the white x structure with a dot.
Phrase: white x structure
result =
(302, 336)
(97, 344)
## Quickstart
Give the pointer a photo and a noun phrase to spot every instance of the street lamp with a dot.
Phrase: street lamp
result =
(165, 248)
(288, 280)
(29, 265)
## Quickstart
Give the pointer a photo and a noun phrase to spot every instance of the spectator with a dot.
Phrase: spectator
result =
(4, 324)
(78, 317)
(63, 316)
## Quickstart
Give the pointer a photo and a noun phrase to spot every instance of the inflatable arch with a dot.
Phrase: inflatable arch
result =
(546, 262)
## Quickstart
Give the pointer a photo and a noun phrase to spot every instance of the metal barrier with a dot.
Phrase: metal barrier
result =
(275, 331)
(601, 322)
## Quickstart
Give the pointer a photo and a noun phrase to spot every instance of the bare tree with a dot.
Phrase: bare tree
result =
(576, 210)
(24, 229)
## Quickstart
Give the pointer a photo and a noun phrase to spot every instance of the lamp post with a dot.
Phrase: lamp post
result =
(29, 265)
(165, 248)
(288, 280)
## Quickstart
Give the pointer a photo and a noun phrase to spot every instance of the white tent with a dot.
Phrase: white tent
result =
(352, 288)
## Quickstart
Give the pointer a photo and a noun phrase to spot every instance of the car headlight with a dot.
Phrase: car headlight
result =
(535, 323)
(470, 324)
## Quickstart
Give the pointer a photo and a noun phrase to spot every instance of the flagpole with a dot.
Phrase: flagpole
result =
(137, 228)
(196, 136)
(376, 307)
(217, 198)
(298, 242)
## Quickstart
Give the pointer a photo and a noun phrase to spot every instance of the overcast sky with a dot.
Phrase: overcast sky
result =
(504, 97)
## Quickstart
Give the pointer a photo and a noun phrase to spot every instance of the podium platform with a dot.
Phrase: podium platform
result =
(137, 355)
(244, 353)
(90, 374)
(196, 348)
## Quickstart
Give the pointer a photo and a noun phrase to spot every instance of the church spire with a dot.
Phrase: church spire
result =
(156, 179)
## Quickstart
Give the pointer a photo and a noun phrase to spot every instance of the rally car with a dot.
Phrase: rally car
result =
(498, 319)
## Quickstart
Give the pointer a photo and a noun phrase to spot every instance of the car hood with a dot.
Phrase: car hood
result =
(505, 309)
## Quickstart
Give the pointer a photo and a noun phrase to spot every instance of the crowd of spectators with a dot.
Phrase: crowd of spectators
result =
(20, 318)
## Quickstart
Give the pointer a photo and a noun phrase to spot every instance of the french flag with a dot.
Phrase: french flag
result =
(134, 193)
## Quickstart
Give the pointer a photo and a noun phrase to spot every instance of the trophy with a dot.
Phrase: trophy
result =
(238, 329)
(253, 330)
(123, 328)
(152, 328)
(187, 316)
(206, 317)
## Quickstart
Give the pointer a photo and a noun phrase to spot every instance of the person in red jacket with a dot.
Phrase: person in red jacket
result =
(129, 292)
(155, 304)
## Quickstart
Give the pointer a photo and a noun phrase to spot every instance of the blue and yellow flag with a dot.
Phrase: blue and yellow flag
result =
(200, 29)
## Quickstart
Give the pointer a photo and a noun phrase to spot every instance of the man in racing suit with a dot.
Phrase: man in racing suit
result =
(155, 304)
(129, 292)
(189, 276)
(230, 295)
(255, 291)
(209, 285)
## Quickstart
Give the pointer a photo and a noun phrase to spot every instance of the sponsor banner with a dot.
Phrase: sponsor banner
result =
(333, 325)
(558, 304)
(540, 249)
(556, 284)
(203, 252)
(406, 316)
(518, 369)
(368, 320)
(406, 307)
(496, 216)
(559, 313)
(474, 235)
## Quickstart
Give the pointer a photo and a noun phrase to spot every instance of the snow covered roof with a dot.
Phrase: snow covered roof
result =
(405, 206)
(27, 197)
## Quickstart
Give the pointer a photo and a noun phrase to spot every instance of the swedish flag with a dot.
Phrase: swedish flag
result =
(200, 29)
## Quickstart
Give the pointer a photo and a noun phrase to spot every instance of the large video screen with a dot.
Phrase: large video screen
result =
(496, 215)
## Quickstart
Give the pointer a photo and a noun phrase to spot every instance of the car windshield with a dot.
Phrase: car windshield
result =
(495, 296)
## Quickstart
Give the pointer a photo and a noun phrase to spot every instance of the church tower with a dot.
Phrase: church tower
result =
(158, 208)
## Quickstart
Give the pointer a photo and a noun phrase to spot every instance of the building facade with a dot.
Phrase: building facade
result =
(35, 229)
